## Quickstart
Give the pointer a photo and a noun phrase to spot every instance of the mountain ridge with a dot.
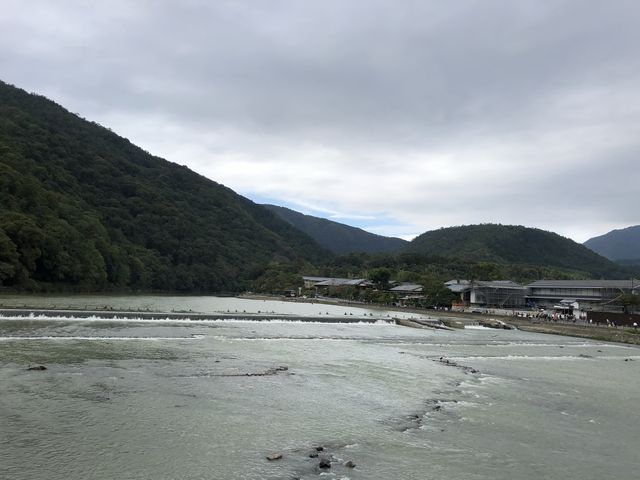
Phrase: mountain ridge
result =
(336, 236)
(619, 245)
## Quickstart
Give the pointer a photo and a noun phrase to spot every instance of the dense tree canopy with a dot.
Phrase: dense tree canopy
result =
(511, 244)
(81, 207)
(424, 269)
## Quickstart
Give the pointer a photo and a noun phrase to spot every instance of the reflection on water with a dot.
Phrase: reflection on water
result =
(136, 399)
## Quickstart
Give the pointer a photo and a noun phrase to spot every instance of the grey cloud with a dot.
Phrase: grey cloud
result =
(388, 85)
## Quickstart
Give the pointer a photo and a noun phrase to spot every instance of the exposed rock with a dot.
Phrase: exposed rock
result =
(330, 458)
(266, 373)
(410, 422)
(414, 421)
(421, 323)
(494, 323)
(453, 323)
(451, 363)
(274, 456)
(37, 367)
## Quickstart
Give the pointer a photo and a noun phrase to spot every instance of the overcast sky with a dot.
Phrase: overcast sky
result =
(395, 116)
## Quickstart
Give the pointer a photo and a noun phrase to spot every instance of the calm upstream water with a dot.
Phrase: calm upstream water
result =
(180, 399)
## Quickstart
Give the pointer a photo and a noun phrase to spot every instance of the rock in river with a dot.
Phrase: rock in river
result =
(37, 367)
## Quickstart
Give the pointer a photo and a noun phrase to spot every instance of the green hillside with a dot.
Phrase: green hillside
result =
(337, 237)
(623, 244)
(510, 244)
(81, 207)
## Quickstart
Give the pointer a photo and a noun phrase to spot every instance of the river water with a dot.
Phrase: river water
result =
(132, 398)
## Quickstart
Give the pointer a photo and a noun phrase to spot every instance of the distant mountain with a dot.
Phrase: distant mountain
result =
(514, 244)
(337, 237)
(623, 244)
(81, 207)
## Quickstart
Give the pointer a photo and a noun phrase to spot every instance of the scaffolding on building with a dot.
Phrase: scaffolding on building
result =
(501, 294)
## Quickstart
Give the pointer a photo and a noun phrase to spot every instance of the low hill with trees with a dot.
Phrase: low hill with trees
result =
(510, 244)
(83, 208)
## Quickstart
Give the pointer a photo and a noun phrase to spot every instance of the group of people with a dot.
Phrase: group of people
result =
(554, 316)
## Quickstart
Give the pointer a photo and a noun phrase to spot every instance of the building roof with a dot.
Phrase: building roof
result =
(343, 282)
(314, 279)
(457, 281)
(501, 284)
(624, 284)
(459, 286)
(407, 288)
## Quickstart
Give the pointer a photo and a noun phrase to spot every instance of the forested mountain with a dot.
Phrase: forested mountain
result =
(81, 207)
(511, 244)
(337, 237)
(623, 244)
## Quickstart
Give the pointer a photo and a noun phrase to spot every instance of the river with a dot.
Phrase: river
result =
(133, 398)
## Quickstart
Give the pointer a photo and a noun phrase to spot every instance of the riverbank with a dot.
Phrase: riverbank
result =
(216, 308)
(601, 333)
(607, 334)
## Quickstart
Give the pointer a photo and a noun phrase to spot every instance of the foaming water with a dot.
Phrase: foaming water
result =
(187, 304)
(137, 398)
(100, 338)
(541, 357)
(186, 319)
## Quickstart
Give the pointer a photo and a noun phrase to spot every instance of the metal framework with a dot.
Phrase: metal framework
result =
(494, 296)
